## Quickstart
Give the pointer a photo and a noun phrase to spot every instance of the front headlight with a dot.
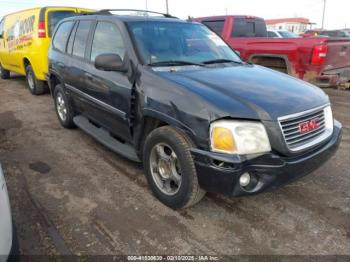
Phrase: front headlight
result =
(239, 137)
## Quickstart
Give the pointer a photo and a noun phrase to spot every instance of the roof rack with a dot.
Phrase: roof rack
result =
(108, 12)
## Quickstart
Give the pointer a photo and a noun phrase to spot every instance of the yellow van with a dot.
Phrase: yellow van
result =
(24, 42)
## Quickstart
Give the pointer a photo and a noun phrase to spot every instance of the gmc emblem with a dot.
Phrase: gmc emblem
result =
(308, 126)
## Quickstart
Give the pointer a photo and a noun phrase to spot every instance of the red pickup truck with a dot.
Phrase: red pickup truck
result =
(322, 61)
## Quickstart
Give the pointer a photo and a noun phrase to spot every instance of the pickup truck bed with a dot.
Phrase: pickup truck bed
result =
(322, 61)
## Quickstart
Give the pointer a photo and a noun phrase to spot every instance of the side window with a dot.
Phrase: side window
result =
(217, 26)
(81, 38)
(60, 40)
(71, 39)
(107, 39)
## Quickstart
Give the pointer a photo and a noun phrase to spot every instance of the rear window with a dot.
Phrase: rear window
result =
(60, 40)
(216, 26)
(1, 28)
(247, 27)
(55, 16)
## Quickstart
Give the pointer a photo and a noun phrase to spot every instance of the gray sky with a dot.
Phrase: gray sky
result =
(337, 12)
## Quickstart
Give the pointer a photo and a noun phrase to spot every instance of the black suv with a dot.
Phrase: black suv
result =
(172, 94)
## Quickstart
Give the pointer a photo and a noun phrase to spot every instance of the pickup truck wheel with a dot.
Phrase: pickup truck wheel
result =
(5, 74)
(64, 110)
(35, 86)
(170, 169)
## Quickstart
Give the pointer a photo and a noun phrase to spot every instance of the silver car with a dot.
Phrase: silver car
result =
(6, 230)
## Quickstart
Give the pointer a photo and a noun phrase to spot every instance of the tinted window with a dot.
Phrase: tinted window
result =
(216, 26)
(81, 37)
(55, 17)
(61, 36)
(107, 39)
(247, 27)
(71, 39)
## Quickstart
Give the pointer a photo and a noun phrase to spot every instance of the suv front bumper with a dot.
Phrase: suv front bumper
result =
(220, 173)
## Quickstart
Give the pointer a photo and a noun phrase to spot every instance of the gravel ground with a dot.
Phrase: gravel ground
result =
(71, 195)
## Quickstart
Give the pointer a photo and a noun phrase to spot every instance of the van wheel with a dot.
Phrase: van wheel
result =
(64, 110)
(35, 86)
(5, 74)
(170, 169)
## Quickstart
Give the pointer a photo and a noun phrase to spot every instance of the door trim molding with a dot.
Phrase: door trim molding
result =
(105, 106)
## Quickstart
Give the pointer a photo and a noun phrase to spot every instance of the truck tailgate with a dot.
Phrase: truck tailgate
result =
(338, 55)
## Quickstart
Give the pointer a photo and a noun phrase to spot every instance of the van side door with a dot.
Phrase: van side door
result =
(110, 91)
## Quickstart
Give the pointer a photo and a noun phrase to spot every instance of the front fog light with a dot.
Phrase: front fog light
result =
(244, 180)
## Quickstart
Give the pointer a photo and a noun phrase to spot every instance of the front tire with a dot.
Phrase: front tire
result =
(170, 169)
(64, 109)
(5, 74)
(35, 86)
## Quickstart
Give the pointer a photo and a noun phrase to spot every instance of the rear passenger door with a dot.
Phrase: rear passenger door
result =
(76, 64)
(110, 91)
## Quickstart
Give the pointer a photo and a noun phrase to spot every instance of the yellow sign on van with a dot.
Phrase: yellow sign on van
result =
(21, 33)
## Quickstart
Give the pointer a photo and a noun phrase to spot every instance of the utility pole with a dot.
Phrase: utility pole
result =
(324, 13)
(167, 6)
(146, 5)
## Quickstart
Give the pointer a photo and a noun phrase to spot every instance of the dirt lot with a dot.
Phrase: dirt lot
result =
(70, 195)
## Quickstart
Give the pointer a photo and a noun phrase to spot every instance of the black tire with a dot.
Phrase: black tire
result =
(5, 74)
(189, 192)
(66, 122)
(35, 86)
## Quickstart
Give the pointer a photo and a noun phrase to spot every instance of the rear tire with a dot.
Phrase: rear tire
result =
(35, 86)
(64, 109)
(170, 169)
(5, 74)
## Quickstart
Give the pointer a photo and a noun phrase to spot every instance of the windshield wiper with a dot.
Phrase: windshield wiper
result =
(217, 61)
(175, 63)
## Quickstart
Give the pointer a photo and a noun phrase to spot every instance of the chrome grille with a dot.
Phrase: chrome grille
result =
(290, 126)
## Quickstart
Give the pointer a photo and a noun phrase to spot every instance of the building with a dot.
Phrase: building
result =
(296, 25)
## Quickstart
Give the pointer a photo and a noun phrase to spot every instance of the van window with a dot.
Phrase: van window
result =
(249, 27)
(81, 37)
(61, 36)
(2, 28)
(55, 16)
(216, 26)
(107, 39)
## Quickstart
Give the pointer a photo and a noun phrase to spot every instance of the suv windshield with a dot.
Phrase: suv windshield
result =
(161, 42)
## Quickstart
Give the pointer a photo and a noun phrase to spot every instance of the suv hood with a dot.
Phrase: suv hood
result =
(249, 91)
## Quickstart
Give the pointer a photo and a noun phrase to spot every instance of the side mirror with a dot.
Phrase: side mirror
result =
(110, 62)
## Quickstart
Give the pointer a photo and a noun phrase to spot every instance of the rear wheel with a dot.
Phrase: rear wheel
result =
(170, 169)
(64, 110)
(35, 86)
(5, 74)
